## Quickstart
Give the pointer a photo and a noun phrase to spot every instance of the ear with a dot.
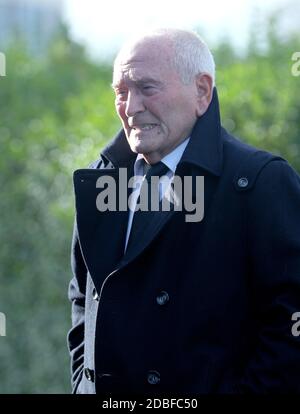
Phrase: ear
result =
(204, 85)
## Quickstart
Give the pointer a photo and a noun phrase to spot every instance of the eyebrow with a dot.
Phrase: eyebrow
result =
(138, 82)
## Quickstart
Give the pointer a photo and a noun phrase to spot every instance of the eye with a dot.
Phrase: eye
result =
(121, 93)
(148, 89)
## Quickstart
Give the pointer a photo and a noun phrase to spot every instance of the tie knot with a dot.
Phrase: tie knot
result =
(159, 169)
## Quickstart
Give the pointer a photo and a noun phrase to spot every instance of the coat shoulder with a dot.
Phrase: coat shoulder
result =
(245, 162)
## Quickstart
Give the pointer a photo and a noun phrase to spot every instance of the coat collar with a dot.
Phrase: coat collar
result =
(204, 148)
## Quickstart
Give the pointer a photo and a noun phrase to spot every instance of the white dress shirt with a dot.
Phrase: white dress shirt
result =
(170, 160)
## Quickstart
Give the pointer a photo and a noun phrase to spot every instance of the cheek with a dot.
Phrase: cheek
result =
(180, 112)
(120, 108)
(169, 109)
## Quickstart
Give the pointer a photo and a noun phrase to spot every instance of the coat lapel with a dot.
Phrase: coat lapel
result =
(146, 235)
(151, 230)
(101, 233)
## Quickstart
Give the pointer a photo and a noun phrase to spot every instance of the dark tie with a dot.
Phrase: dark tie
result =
(142, 218)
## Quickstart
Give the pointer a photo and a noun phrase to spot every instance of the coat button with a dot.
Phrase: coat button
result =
(89, 374)
(243, 182)
(162, 298)
(95, 294)
(153, 377)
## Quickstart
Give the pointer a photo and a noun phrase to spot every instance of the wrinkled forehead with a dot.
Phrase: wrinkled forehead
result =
(142, 59)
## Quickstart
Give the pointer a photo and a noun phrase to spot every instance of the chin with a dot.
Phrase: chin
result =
(139, 149)
(138, 146)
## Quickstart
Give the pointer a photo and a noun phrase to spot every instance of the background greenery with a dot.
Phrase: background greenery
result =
(56, 113)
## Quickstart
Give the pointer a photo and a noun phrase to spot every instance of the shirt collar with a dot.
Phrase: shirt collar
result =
(170, 160)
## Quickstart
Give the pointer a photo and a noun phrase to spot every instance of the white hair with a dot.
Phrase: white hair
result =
(191, 56)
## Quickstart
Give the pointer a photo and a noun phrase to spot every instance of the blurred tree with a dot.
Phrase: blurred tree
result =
(259, 96)
(54, 112)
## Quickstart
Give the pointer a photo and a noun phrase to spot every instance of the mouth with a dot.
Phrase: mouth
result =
(144, 127)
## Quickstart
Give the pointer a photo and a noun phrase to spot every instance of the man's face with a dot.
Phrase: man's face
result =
(156, 109)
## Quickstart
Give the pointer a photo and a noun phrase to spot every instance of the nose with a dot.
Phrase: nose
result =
(134, 104)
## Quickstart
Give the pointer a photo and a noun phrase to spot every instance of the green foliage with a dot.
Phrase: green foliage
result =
(259, 97)
(56, 114)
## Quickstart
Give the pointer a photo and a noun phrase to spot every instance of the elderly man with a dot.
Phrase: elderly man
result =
(166, 304)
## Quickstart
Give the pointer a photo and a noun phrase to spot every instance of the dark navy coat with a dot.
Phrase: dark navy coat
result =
(201, 307)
